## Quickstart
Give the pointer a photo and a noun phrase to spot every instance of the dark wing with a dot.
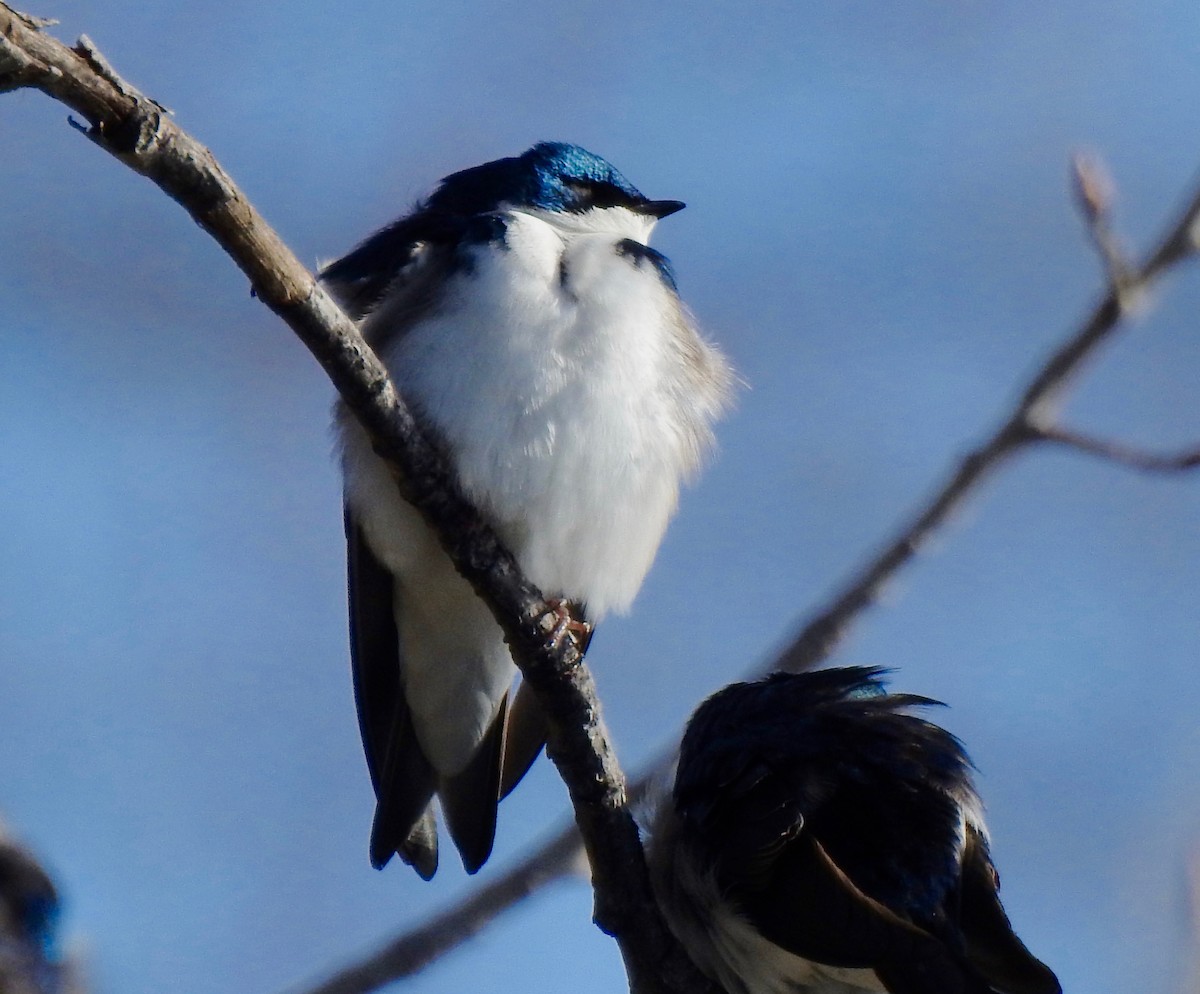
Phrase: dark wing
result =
(469, 798)
(809, 907)
(389, 261)
(404, 780)
(783, 880)
(991, 945)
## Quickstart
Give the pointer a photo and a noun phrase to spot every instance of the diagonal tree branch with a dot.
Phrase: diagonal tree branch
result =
(1029, 422)
(140, 133)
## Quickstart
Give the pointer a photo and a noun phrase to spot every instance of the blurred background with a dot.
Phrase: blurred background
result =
(879, 234)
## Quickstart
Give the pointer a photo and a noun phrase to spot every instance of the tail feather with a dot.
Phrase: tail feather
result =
(404, 821)
(469, 798)
(420, 849)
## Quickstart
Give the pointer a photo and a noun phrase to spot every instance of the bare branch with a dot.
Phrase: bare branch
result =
(1120, 453)
(413, 951)
(1026, 424)
(140, 133)
(87, 50)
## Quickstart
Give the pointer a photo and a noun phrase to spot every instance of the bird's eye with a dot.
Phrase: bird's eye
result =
(592, 193)
(608, 195)
(581, 191)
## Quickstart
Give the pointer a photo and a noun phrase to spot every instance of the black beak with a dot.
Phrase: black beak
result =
(660, 208)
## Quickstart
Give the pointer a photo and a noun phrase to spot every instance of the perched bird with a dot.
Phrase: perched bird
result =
(822, 840)
(29, 914)
(544, 345)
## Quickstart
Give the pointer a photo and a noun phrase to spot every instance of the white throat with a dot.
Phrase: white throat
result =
(616, 220)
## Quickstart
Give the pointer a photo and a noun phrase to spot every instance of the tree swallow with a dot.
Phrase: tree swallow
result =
(544, 345)
(822, 840)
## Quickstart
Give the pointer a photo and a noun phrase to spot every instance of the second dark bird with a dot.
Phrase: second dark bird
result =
(822, 839)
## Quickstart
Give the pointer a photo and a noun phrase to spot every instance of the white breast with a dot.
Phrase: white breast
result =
(573, 395)
(555, 371)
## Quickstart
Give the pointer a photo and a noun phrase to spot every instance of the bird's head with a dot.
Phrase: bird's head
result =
(562, 184)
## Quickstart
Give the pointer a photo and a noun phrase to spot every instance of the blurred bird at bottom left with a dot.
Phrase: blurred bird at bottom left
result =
(31, 961)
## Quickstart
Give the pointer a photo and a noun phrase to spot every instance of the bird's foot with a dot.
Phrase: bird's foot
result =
(565, 622)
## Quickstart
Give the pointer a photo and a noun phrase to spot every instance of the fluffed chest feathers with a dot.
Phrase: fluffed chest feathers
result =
(559, 372)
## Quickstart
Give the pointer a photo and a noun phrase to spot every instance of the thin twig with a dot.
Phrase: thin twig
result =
(413, 951)
(141, 134)
(1119, 452)
(1026, 424)
(409, 953)
(1094, 193)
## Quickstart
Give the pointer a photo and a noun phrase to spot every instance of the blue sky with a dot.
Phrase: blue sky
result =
(880, 236)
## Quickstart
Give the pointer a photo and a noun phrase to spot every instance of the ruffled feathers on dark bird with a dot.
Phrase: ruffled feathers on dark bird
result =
(820, 838)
